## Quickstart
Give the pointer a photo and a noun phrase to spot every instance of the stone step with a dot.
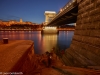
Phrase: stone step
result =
(67, 70)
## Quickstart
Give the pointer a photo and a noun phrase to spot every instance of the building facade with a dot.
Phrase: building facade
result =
(10, 22)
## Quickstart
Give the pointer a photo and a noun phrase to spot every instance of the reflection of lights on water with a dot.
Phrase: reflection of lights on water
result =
(13, 31)
(67, 33)
(49, 41)
(29, 31)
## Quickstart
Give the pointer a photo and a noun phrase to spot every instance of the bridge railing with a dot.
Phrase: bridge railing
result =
(64, 8)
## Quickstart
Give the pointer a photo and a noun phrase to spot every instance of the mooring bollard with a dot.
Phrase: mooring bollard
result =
(5, 40)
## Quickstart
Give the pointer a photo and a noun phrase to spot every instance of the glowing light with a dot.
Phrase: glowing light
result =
(60, 10)
(73, 0)
(50, 28)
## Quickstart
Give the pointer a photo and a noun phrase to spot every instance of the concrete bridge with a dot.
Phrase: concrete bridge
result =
(84, 50)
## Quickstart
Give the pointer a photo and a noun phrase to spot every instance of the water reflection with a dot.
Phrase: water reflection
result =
(49, 41)
(42, 43)
(64, 39)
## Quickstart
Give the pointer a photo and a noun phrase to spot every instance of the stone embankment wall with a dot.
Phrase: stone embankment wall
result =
(17, 56)
(25, 63)
(28, 63)
(85, 47)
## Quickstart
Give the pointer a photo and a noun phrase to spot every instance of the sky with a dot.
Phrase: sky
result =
(28, 10)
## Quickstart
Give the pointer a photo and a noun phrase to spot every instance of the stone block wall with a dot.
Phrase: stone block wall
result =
(85, 47)
(28, 64)
(25, 63)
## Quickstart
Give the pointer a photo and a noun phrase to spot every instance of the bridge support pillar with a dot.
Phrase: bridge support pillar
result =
(50, 30)
(85, 47)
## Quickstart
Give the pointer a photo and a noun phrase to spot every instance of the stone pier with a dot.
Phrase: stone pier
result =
(16, 56)
(85, 47)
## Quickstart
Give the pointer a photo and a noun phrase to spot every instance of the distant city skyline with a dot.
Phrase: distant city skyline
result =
(28, 10)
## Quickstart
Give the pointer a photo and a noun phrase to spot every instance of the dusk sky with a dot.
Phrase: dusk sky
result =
(28, 10)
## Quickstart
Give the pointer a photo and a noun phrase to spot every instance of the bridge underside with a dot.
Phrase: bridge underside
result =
(69, 17)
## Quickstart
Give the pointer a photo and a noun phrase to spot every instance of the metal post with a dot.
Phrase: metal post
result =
(5, 40)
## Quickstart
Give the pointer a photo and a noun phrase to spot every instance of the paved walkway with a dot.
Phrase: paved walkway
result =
(12, 53)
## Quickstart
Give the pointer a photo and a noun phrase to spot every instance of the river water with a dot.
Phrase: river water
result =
(42, 42)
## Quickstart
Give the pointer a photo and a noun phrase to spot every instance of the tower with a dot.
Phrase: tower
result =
(49, 15)
(21, 20)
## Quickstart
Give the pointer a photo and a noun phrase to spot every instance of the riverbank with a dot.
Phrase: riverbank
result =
(60, 29)
(18, 57)
(14, 54)
(21, 30)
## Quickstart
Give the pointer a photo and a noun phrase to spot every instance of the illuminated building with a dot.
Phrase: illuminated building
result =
(10, 22)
